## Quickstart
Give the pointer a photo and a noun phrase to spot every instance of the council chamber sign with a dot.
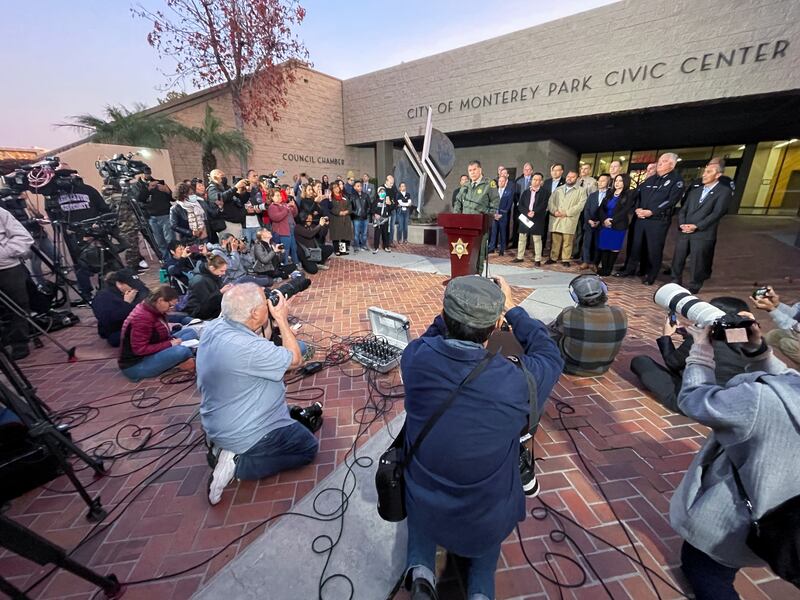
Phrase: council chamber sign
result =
(655, 71)
(311, 159)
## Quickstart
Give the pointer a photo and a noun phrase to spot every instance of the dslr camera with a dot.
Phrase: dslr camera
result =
(724, 327)
(297, 283)
(310, 416)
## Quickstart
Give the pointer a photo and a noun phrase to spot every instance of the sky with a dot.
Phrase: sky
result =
(75, 57)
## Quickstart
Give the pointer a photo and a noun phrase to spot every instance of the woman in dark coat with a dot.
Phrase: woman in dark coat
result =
(341, 227)
(536, 211)
(615, 216)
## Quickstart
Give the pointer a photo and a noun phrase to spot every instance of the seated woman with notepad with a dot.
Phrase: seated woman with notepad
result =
(148, 347)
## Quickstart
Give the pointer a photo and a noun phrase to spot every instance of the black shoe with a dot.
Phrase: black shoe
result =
(529, 483)
(18, 352)
(501, 253)
(421, 589)
(566, 263)
(620, 274)
(80, 303)
(648, 281)
(693, 289)
(537, 263)
(516, 260)
(549, 261)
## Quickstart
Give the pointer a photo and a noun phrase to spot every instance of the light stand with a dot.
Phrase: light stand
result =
(28, 544)
(33, 412)
(23, 314)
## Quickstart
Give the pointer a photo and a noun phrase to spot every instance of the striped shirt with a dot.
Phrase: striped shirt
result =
(590, 338)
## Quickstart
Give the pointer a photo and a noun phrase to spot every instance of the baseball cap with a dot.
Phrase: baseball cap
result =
(587, 287)
(473, 300)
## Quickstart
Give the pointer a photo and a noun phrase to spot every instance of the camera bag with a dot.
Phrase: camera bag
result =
(390, 475)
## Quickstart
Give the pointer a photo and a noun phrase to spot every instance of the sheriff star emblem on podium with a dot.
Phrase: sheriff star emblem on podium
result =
(460, 248)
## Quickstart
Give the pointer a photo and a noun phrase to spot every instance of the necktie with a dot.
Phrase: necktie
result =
(704, 193)
(527, 182)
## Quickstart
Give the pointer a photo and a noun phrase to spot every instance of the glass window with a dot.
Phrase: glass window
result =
(703, 153)
(644, 157)
(734, 151)
(773, 186)
(603, 160)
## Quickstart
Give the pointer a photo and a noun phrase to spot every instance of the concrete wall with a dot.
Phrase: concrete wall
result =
(82, 159)
(629, 55)
(311, 128)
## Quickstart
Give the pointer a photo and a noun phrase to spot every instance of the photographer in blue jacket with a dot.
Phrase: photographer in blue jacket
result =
(464, 485)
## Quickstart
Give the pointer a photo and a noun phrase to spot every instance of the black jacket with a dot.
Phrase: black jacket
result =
(728, 360)
(361, 205)
(83, 202)
(621, 215)
(265, 259)
(539, 208)
(233, 207)
(379, 205)
(205, 297)
(111, 310)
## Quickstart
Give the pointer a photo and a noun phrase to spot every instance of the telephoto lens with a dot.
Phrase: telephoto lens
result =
(678, 299)
(296, 284)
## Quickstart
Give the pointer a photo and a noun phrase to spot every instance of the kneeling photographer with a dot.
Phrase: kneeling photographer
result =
(269, 257)
(664, 381)
(786, 335)
(466, 484)
(725, 506)
(243, 406)
(313, 253)
(240, 262)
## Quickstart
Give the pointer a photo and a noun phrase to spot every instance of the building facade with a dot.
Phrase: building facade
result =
(625, 82)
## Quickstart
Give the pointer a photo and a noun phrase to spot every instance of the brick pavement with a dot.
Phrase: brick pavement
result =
(636, 450)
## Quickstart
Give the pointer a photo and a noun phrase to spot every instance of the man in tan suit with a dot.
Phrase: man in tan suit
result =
(565, 207)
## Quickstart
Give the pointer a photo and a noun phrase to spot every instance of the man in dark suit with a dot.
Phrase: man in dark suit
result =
(533, 204)
(549, 186)
(591, 219)
(698, 220)
(498, 238)
(520, 185)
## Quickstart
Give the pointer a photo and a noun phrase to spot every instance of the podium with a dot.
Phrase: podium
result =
(464, 236)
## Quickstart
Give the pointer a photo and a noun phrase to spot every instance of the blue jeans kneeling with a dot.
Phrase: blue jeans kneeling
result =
(282, 449)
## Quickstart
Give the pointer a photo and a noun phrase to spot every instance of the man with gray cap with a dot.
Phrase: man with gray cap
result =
(464, 485)
(590, 334)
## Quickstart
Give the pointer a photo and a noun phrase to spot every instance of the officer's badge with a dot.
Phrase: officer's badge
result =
(459, 248)
(480, 190)
(492, 184)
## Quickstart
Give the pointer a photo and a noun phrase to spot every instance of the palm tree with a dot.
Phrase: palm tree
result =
(213, 139)
(128, 127)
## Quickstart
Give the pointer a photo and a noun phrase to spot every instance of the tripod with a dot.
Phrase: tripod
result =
(23, 314)
(20, 397)
(24, 542)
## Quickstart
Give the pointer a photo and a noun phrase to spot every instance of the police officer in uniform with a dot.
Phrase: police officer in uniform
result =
(478, 196)
(655, 199)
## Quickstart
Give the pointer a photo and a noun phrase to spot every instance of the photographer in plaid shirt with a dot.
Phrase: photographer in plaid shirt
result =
(590, 334)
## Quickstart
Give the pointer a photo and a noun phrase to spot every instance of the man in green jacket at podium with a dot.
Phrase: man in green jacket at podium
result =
(478, 196)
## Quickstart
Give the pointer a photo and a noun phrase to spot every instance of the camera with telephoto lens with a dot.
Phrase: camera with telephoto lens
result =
(310, 416)
(297, 283)
(724, 327)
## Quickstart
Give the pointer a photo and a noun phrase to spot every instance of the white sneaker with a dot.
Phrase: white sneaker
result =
(323, 267)
(375, 251)
(143, 264)
(221, 477)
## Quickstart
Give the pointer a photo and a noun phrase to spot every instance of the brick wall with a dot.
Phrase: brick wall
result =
(632, 34)
(311, 126)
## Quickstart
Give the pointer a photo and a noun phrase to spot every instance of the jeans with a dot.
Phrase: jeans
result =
(289, 249)
(709, 579)
(250, 233)
(155, 364)
(360, 234)
(421, 552)
(401, 217)
(162, 232)
(289, 447)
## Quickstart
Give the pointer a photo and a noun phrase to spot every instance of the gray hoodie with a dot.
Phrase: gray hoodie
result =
(754, 421)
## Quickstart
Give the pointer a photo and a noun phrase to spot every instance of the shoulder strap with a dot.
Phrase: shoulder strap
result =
(445, 405)
(533, 394)
(740, 487)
